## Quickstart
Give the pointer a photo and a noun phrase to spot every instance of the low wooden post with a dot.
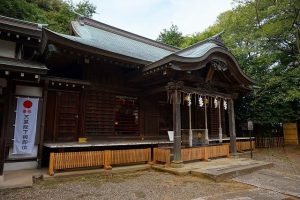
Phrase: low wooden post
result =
(206, 153)
(149, 155)
(155, 155)
(51, 164)
(107, 159)
(168, 158)
(227, 150)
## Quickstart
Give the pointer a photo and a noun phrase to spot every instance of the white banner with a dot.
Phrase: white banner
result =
(25, 125)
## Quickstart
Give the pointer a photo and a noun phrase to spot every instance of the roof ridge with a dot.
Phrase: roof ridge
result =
(215, 39)
(30, 24)
(118, 31)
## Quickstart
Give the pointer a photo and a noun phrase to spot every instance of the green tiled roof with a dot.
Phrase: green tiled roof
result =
(197, 51)
(116, 43)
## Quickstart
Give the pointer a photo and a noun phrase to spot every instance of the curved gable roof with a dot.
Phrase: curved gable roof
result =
(200, 52)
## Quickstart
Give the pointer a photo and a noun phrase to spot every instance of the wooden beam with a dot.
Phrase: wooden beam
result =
(154, 91)
(188, 89)
(4, 126)
(42, 130)
(209, 74)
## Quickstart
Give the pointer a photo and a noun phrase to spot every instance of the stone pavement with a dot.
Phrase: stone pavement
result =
(272, 180)
(19, 178)
(257, 194)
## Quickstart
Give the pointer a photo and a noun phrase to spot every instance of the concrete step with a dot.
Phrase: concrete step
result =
(225, 172)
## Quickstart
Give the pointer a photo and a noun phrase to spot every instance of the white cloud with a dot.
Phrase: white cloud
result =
(149, 17)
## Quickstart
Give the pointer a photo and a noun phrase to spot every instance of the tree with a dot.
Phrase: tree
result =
(171, 36)
(264, 36)
(85, 8)
(56, 13)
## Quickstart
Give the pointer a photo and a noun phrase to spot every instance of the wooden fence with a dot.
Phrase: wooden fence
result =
(269, 142)
(192, 153)
(244, 145)
(106, 158)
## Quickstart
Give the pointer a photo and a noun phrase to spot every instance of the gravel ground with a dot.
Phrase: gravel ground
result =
(149, 184)
(139, 185)
(285, 159)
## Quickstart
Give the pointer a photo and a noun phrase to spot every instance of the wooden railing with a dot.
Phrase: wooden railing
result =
(192, 153)
(244, 145)
(106, 158)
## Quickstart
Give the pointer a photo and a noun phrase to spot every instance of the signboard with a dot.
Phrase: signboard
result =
(250, 125)
(25, 125)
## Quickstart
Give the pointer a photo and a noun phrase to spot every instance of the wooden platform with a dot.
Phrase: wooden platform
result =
(106, 143)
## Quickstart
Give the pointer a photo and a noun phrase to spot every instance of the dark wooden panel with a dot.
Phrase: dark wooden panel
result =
(126, 116)
(50, 116)
(151, 117)
(67, 114)
(99, 113)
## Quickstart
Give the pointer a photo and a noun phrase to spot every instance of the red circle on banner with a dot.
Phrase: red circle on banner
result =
(27, 104)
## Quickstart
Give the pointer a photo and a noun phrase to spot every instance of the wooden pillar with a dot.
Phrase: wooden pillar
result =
(175, 95)
(176, 126)
(220, 122)
(5, 120)
(190, 123)
(206, 129)
(232, 127)
(42, 130)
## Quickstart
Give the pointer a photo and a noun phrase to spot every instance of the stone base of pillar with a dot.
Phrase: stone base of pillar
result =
(177, 164)
(234, 155)
(1, 178)
(206, 141)
(220, 135)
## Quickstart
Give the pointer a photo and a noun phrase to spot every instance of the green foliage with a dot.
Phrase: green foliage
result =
(264, 36)
(85, 8)
(56, 13)
(171, 36)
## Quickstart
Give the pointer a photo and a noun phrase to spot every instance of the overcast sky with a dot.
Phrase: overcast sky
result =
(149, 17)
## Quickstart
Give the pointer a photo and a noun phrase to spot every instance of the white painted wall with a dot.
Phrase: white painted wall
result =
(20, 165)
(7, 49)
(29, 91)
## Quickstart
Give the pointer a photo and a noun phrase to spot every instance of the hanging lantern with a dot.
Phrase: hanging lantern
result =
(200, 100)
(216, 103)
(206, 100)
(225, 104)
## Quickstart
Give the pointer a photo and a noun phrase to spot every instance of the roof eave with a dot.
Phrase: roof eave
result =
(50, 36)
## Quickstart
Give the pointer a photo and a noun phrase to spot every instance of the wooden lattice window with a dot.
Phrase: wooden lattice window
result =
(126, 116)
